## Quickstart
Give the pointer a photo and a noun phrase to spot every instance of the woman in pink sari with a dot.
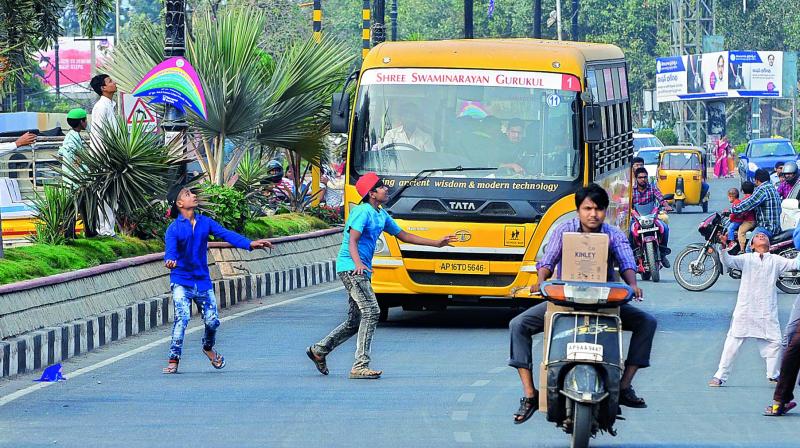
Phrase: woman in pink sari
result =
(721, 165)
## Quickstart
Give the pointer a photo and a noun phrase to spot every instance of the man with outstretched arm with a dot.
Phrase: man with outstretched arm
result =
(591, 202)
(364, 226)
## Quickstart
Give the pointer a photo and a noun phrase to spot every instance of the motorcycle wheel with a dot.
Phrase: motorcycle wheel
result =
(679, 206)
(695, 270)
(789, 285)
(582, 425)
(651, 261)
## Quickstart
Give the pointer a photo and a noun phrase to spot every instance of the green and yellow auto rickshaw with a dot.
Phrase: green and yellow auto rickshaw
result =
(682, 172)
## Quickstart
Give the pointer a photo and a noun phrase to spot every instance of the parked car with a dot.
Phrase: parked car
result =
(641, 141)
(647, 146)
(764, 153)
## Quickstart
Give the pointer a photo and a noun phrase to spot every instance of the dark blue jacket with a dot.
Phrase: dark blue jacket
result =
(190, 248)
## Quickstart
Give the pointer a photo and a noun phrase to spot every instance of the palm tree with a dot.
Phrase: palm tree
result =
(249, 97)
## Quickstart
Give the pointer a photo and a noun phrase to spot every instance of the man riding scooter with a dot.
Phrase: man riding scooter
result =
(646, 193)
(591, 202)
(788, 179)
(766, 202)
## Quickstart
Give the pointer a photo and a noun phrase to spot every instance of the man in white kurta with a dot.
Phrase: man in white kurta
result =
(104, 114)
(756, 313)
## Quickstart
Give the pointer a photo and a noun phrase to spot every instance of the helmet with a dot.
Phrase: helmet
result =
(790, 168)
(274, 171)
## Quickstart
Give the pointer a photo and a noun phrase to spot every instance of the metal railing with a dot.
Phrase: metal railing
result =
(31, 166)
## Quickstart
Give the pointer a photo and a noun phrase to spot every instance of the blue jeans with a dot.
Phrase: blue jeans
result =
(182, 298)
(732, 228)
(759, 230)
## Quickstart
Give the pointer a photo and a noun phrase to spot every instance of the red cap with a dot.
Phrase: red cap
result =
(366, 183)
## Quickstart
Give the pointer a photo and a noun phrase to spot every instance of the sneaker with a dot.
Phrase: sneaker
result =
(665, 262)
(627, 397)
(773, 380)
(716, 382)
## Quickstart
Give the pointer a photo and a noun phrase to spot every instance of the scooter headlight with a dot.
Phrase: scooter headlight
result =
(645, 221)
(586, 293)
(584, 379)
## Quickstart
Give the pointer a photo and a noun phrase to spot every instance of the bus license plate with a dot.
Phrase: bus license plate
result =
(584, 351)
(462, 267)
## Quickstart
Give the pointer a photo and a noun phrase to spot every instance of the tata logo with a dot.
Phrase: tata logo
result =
(463, 236)
(462, 205)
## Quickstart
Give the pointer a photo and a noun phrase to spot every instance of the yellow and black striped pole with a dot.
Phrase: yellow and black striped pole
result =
(365, 28)
(317, 20)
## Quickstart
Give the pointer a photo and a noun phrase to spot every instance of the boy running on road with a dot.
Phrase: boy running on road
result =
(186, 257)
(354, 266)
(756, 312)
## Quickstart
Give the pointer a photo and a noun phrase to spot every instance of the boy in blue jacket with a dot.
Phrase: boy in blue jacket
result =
(186, 257)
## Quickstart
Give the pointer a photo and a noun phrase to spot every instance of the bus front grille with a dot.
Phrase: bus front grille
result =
(430, 278)
(426, 255)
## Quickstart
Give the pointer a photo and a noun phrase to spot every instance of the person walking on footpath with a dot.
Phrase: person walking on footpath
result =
(186, 258)
(364, 226)
(756, 312)
(76, 118)
(104, 115)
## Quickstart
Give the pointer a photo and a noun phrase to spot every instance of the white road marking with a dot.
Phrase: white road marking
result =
(499, 369)
(466, 398)
(480, 383)
(459, 416)
(463, 437)
(28, 390)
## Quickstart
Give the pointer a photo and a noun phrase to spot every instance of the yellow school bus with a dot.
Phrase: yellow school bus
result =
(487, 140)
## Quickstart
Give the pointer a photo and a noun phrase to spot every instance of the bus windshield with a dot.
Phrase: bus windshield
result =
(521, 124)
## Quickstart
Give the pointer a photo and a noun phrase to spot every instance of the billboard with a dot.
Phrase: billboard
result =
(724, 74)
(75, 60)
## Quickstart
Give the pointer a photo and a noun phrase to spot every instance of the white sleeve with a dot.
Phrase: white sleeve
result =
(8, 146)
(733, 262)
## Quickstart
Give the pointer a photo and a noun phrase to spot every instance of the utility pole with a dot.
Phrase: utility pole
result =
(365, 27)
(558, 18)
(58, 71)
(468, 22)
(379, 23)
(393, 18)
(537, 19)
(574, 31)
(174, 121)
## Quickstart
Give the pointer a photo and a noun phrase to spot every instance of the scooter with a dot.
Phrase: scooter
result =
(647, 233)
(698, 266)
(582, 363)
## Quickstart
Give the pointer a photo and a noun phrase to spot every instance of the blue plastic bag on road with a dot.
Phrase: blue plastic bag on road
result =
(52, 374)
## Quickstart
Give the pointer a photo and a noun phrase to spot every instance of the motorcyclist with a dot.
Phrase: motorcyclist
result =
(592, 202)
(766, 202)
(646, 193)
(789, 178)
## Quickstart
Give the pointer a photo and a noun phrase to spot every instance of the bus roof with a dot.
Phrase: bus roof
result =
(508, 54)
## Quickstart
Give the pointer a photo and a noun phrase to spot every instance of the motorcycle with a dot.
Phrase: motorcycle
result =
(647, 233)
(582, 363)
(698, 266)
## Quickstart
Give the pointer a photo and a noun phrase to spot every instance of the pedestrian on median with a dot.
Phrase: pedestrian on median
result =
(364, 226)
(186, 256)
(104, 115)
(756, 312)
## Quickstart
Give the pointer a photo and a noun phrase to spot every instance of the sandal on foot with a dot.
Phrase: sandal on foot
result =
(218, 361)
(527, 406)
(172, 367)
(320, 363)
(365, 374)
(777, 410)
(716, 382)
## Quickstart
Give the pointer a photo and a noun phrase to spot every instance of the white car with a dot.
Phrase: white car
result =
(647, 146)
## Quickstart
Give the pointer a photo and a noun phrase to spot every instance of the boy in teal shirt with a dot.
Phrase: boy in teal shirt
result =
(364, 226)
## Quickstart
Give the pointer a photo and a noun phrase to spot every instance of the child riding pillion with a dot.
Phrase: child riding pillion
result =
(186, 257)
(756, 313)
(364, 226)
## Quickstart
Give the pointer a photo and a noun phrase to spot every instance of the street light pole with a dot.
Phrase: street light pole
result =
(174, 121)
(379, 23)
(537, 19)
(393, 18)
(468, 22)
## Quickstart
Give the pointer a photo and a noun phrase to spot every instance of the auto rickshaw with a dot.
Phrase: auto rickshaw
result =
(682, 172)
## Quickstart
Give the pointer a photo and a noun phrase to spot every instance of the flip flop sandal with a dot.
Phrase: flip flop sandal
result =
(365, 374)
(778, 410)
(172, 367)
(218, 362)
(527, 406)
(321, 365)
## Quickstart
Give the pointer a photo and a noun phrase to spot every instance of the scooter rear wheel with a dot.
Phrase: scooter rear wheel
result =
(582, 416)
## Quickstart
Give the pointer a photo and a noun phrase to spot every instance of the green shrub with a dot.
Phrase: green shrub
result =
(667, 136)
(328, 214)
(739, 149)
(55, 215)
(282, 225)
(39, 260)
(146, 223)
(226, 205)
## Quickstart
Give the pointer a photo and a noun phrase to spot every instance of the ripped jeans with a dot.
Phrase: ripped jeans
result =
(182, 298)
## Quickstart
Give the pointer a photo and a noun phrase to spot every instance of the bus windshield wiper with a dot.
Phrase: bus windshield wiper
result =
(422, 175)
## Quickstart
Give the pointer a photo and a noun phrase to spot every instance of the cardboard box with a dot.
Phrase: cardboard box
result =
(584, 257)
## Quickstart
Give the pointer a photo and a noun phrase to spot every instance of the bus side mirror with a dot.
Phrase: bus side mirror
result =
(340, 112)
(592, 127)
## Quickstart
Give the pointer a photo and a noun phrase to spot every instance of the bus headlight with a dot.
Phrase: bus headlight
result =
(381, 248)
(563, 218)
